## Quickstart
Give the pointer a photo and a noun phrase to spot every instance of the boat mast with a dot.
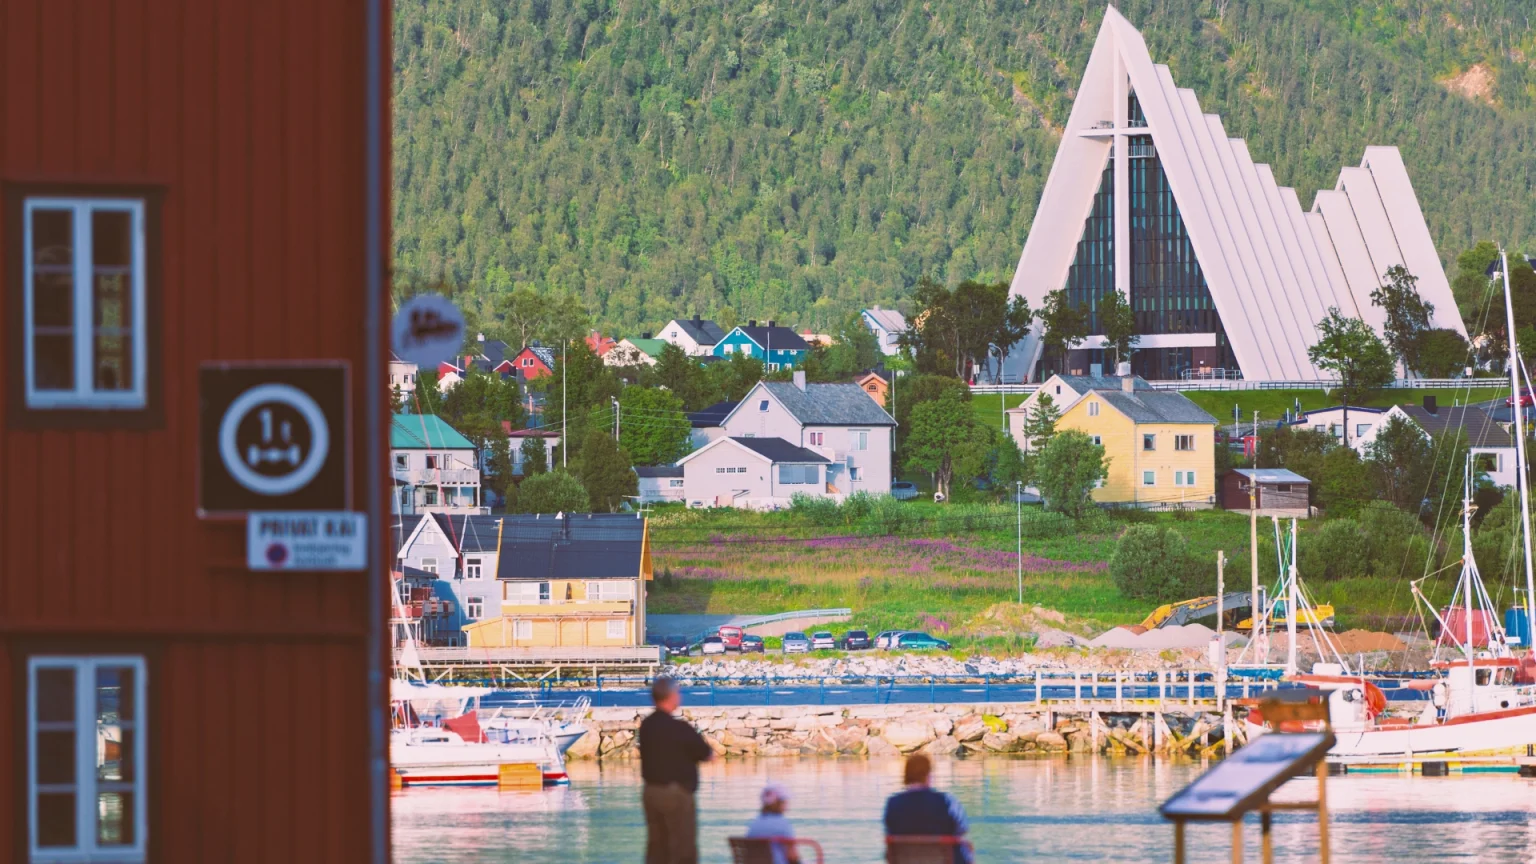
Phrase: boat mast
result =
(1291, 612)
(1521, 471)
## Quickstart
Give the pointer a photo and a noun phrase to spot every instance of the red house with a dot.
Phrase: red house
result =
(535, 362)
(185, 183)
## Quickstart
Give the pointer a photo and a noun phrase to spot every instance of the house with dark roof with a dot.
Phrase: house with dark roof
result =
(535, 361)
(1491, 446)
(696, 336)
(754, 473)
(708, 422)
(435, 468)
(660, 484)
(1160, 447)
(778, 347)
(516, 439)
(1062, 391)
(887, 325)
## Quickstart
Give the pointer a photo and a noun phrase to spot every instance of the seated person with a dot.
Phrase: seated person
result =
(772, 823)
(922, 811)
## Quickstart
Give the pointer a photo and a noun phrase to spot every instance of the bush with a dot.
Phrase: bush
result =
(820, 509)
(1070, 464)
(1152, 562)
(889, 515)
(553, 492)
(1338, 551)
(1390, 536)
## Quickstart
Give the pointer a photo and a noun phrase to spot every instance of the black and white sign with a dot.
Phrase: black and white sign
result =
(273, 438)
(306, 541)
(428, 330)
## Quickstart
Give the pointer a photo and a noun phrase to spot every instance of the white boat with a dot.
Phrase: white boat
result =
(438, 739)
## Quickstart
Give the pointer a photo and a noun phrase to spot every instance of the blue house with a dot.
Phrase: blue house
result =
(778, 347)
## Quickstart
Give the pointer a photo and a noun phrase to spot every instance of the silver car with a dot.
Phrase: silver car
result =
(712, 645)
(887, 638)
(822, 640)
(796, 643)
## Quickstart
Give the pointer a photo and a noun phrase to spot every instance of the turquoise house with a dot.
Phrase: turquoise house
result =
(777, 347)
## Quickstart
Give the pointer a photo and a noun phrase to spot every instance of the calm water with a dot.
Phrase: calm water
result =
(1082, 810)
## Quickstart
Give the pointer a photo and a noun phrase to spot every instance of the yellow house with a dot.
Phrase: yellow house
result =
(1160, 446)
(575, 581)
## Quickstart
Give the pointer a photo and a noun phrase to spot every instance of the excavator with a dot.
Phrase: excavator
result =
(1236, 608)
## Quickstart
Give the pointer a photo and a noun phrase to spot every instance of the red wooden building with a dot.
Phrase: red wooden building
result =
(184, 182)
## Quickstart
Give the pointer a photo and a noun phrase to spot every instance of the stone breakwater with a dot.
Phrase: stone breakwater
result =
(889, 730)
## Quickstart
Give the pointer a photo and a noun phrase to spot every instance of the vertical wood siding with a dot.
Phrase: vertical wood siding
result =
(250, 115)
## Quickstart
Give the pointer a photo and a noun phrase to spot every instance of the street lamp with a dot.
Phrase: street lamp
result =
(1018, 506)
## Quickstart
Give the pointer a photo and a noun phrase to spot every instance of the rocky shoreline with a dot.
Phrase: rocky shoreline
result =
(888, 730)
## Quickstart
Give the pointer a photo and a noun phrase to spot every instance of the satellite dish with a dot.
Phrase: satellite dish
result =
(938, 497)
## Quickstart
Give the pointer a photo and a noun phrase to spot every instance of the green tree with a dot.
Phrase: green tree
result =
(1040, 423)
(1009, 467)
(1062, 325)
(1350, 349)
(1336, 551)
(1400, 459)
(916, 390)
(1343, 482)
(734, 377)
(1152, 563)
(1067, 470)
(396, 400)
(947, 441)
(526, 316)
(854, 349)
(606, 471)
(1442, 353)
(426, 397)
(483, 400)
(1016, 324)
(535, 456)
(683, 375)
(1118, 321)
(579, 397)
(652, 426)
(496, 468)
(553, 492)
(1408, 314)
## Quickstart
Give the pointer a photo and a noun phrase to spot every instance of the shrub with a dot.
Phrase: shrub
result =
(889, 515)
(856, 507)
(1070, 464)
(819, 509)
(1338, 551)
(553, 492)
(1152, 562)
(1389, 535)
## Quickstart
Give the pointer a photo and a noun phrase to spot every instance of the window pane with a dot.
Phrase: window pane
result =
(114, 362)
(114, 693)
(114, 754)
(114, 818)
(54, 361)
(111, 239)
(56, 756)
(53, 299)
(56, 819)
(55, 695)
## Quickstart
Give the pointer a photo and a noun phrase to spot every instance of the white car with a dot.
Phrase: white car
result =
(712, 645)
(822, 640)
(887, 637)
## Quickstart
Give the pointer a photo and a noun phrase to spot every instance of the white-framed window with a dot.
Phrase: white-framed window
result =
(403, 588)
(1098, 440)
(1183, 478)
(84, 303)
(855, 474)
(858, 439)
(527, 362)
(773, 367)
(1361, 429)
(729, 349)
(674, 482)
(434, 461)
(1318, 427)
(429, 496)
(610, 589)
(1148, 441)
(429, 565)
(472, 568)
(1183, 442)
(618, 628)
(818, 438)
(1149, 478)
(474, 607)
(1093, 409)
(402, 461)
(731, 469)
(522, 630)
(763, 405)
(87, 755)
(1058, 389)
(527, 593)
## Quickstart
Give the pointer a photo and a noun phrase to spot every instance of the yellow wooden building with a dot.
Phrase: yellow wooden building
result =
(1160, 446)
(574, 581)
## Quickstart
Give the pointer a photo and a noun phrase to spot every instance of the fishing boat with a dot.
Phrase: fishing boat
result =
(437, 739)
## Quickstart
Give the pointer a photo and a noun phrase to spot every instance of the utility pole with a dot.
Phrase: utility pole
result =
(565, 418)
(1290, 609)
(615, 402)
(1255, 604)
(1522, 471)
(1221, 639)
(1018, 505)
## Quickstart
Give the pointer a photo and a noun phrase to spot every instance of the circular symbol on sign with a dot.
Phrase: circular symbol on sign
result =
(277, 554)
(428, 330)
(273, 439)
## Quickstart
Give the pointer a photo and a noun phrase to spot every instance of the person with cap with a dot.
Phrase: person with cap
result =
(670, 753)
(771, 823)
(920, 810)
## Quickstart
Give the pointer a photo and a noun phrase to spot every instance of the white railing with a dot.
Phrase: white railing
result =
(1005, 389)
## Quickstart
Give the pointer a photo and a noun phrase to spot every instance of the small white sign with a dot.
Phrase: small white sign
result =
(306, 541)
(428, 330)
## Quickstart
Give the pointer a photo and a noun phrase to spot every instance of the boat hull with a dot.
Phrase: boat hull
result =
(1491, 734)
(467, 764)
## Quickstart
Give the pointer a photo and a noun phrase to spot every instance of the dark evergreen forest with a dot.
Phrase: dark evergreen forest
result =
(796, 160)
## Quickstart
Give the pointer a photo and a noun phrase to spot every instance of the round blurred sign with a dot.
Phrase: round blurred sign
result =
(428, 330)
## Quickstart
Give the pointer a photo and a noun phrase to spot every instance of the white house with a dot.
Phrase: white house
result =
(1232, 276)
(887, 325)
(402, 375)
(436, 470)
(1492, 448)
(837, 421)
(696, 336)
(754, 473)
(708, 423)
(660, 483)
(461, 554)
(516, 437)
(1362, 423)
(1063, 390)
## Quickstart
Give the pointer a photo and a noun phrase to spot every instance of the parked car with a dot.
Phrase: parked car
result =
(919, 641)
(675, 645)
(887, 638)
(712, 645)
(751, 644)
(796, 643)
(823, 640)
(1527, 399)
(856, 640)
(901, 490)
(731, 636)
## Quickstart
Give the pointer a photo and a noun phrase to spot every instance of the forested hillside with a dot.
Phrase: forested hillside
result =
(796, 159)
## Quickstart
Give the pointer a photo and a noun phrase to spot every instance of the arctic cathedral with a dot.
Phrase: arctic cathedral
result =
(1225, 272)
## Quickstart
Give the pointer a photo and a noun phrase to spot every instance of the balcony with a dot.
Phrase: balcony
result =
(438, 476)
(516, 608)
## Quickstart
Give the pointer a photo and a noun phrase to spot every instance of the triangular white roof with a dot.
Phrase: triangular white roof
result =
(1273, 270)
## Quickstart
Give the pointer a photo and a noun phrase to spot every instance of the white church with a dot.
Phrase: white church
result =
(1227, 275)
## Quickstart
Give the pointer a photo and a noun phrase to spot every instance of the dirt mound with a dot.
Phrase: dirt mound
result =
(1363, 641)
(1174, 636)
(1476, 83)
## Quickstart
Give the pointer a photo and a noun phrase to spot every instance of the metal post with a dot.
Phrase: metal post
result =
(1018, 506)
(1237, 842)
(1322, 810)
(565, 418)
(1178, 842)
(1267, 839)
(1521, 469)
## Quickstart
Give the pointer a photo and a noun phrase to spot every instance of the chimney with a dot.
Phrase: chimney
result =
(480, 337)
(1123, 368)
(800, 379)
(751, 322)
(770, 322)
(697, 321)
(1430, 406)
(1127, 383)
(645, 334)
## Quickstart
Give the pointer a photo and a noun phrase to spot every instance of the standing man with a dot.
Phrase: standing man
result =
(920, 810)
(670, 753)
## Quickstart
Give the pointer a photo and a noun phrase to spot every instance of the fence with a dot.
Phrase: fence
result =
(1239, 384)
(760, 620)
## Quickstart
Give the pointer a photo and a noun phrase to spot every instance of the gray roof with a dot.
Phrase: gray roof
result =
(1271, 475)
(544, 353)
(700, 330)
(576, 546)
(776, 337)
(1084, 383)
(779, 450)
(658, 471)
(843, 404)
(1156, 406)
(714, 415)
(889, 319)
(1480, 429)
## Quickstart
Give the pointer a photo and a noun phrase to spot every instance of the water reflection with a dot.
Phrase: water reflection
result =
(1083, 810)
